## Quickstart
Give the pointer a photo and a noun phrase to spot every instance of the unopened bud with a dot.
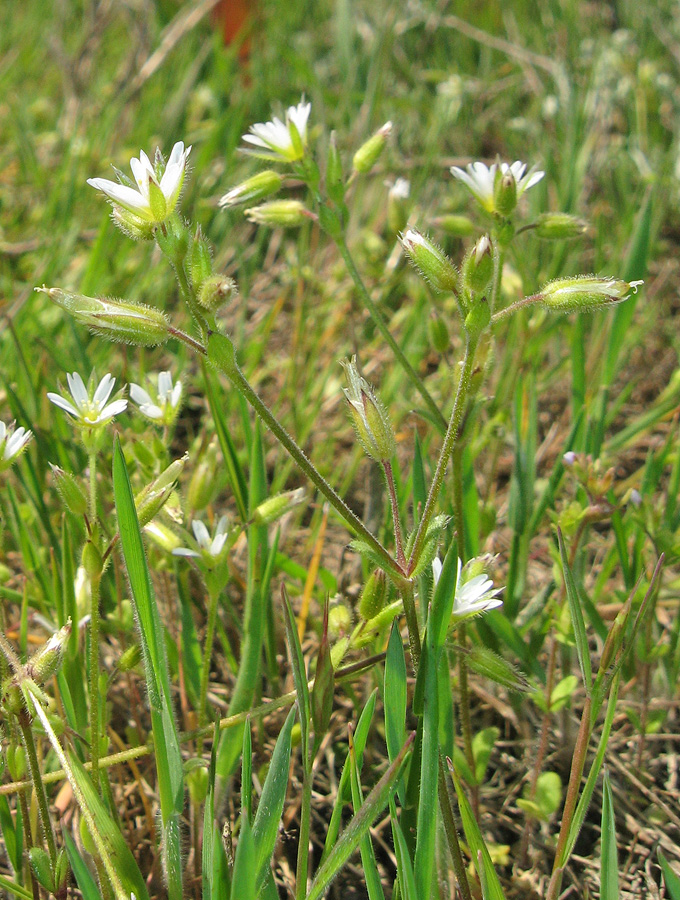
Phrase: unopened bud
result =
(198, 781)
(92, 562)
(505, 193)
(163, 536)
(117, 320)
(199, 260)
(254, 189)
(279, 214)
(16, 761)
(398, 205)
(431, 261)
(215, 292)
(130, 658)
(131, 225)
(273, 508)
(455, 225)
(203, 481)
(438, 333)
(585, 292)
(339, 621)
(368, 154)
(71, 493)
(559, 226)
(335, 185)
(478, 266)
(154, 496)
(369, 417)
(47, 661)
(373, 596)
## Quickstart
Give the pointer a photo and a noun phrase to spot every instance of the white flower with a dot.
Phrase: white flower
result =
(157, 190)
(480, 179)
(12, 444)
(165, 406)
(472, 597)
(275, 140)
(89, 406)
(401, 189)
(208, 549)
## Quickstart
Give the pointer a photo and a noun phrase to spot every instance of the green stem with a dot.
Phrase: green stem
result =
(241, 383)
(207, 654)
(408, 596)
(41, 794)
(394, 503)
(92, 505)
(498, 259)
(451, 832)
(514, 307)
(448, 445)
(381, 325)
(94, 680)
(305, 824)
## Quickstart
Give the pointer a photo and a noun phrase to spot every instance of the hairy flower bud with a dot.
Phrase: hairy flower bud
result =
(398, 205)
(455, 225)
(199, 259)
(273, 508)
(438, 333)
(71, 493)
(559, 226)
(253, 189)
(117, 320)
(47, 661)
(430, 260)
(279, 214)
(373, 596)
(215, 292)
(368, 154)
(478, 266)
(154, 496)
(369, 417)
(585, 292)
(505, 192)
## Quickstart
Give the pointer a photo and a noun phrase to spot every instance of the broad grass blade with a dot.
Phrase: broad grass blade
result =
(670, 879)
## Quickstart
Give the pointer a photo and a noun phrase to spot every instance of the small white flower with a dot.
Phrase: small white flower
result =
(12, 443)
(480, 179)
(165, 406)
(89, 404)
(274, 140)
(156, 194)
(401, 189)
(208, 549)
(472, 597)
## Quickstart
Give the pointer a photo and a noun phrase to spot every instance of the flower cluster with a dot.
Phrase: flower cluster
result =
(475, 593)
(12, 444)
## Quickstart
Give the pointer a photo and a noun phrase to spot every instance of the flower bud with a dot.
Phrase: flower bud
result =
(559, 226)
(273, 508)
(203, 481)
(478, 266)
(505, 193)
(154, 496)
(455, 225)
(16, 761)
(369, 417)
(438, 333)
(585, 292)
(431, 261)
(92, 562)
(215, 292)
(373, 595)
(279, 214)
(335, 185)
(254, 189)
(117, 320)
(197, 781)
(131, 225)
(12, 698)
(398, 205)
(130, 658)
(71, 493)
(368, 154)
(200, 260)
(163, 536)
(47, 661)
(478, 318)
(339, 621)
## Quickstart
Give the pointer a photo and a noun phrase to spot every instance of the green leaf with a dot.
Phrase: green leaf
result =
(395, 698)
(370, 867)
(88, 886)
(482, 747)
(299, 673)
(609, 865)
(580, 636)
(244, 877)
(407, 881)
(671, 880)
(237, 479)
(152, 640)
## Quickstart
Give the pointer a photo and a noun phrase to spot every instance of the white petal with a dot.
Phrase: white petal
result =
(125, 196)
(222, 526)
(16, 442)
(436, 569)
(139, 395)
(3, 431)
(201, 534)
(151, 411)
(59, 401)
(164, 385)
(113, 409)
(217, 544)
(184, 551)
(77, 389)
(142, 175)
(103, 392)
(176, 395)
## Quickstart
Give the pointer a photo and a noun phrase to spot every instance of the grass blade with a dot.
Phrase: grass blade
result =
(609, 865)
(578, 622)
(670, 879)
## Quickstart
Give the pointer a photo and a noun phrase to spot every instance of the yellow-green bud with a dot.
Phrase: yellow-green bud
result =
(455, 225)
(47, 661)
(215, 292)
(254, 189)
(200, 260)
(92, 562)
(16, 761)
(154, 496)
(559, 226)
(585, 292)
(398, 205)
(368, 154)
(369, 417)
(430, 260)
(273, 508)
(438, 333)
(339, 621)
(203, 482)
(163, 536)
(71, 493)
(279, 214)
(5, 573)
(505, 193)
(130, 658)
(478, 266)
(373, 595)
(117, 320)
(197, 782)
(131, 225)
(12, 698)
